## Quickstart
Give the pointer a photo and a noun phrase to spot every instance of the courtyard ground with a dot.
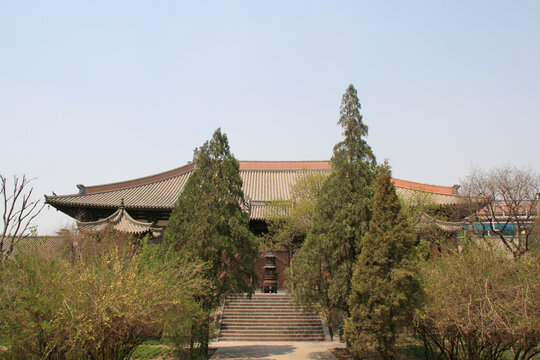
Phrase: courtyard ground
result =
(274, 350)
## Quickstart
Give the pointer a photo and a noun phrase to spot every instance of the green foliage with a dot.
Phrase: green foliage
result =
(144, 352)
(102, 304)
(208, 224)
(481, 304)
(386, 287)
(324, 264)
(290, 220)
(534, 238)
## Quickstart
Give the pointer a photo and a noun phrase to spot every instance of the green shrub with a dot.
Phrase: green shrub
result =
(102, 303)
(481, 304)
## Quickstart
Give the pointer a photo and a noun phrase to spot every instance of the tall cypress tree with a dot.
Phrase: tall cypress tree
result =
(385, 285)
(324, 264)
(207, 224)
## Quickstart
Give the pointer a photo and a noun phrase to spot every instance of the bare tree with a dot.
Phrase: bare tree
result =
(19, 210)
(509, 199)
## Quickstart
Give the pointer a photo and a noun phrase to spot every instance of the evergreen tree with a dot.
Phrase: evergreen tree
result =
(324, 264)
(208, 224)
(385, 284)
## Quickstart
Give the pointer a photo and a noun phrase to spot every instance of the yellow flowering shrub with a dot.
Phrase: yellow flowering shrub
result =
(101, 303)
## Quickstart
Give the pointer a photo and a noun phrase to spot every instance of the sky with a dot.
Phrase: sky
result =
(93, 92)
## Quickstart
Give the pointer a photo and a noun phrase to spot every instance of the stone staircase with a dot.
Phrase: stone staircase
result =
(268, 317)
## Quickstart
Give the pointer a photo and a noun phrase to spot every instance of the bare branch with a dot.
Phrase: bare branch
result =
(19, 211)
(510, 205)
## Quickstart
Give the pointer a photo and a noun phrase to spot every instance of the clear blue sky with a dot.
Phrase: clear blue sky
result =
(93, 92)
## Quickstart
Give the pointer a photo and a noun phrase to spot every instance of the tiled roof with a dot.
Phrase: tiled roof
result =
(161, 194)
(119, 220)
(263, 181)
(426, 221)
(285, 165)
(414, 195)
(434, 189)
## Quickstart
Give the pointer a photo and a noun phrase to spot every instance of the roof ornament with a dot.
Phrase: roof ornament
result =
(82, 189)
(122, 203)
(455, 189)
(196, 153)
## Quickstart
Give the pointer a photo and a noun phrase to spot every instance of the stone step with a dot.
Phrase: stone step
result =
(295, 334)
(263, 295)
(268, 309)
(274, 322)
(272, 338)
(262, 311)
(272, 331)
(293, 318)
(260, 300)
(268, 317)
(285, 327)
(264, 306)
(261, 304)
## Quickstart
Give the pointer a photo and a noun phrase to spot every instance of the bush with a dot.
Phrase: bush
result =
(481, 304)
(101, 303)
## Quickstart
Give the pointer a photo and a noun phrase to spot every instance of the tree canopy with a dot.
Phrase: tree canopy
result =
(385, 285)
(207, 222)
(324, 264)
(209, 225)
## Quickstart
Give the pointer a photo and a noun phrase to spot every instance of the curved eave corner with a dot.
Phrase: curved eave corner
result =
(121, 221)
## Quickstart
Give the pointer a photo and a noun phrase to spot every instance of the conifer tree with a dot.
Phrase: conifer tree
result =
(208, 225)
(324, 264)
(385, 285)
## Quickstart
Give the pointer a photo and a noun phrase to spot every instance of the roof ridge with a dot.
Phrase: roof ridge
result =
(419, 183)
(165, 175)
(125, 188)
(413, 185)
(282, 170)
(292, 161)
(144, 180)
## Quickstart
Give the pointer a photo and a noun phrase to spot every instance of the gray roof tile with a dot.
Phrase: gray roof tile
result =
(262, 182)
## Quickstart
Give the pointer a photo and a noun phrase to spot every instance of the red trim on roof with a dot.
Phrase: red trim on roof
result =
(139, 181)
(244, 165)
(446, 190)
(259, 165)
(285, 165)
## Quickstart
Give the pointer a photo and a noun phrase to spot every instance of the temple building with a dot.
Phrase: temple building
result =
(149, 200)
(144, 205)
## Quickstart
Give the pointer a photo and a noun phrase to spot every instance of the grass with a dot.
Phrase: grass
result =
(158, 350)
(4, 344)
(158, 342)
(150, 352)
